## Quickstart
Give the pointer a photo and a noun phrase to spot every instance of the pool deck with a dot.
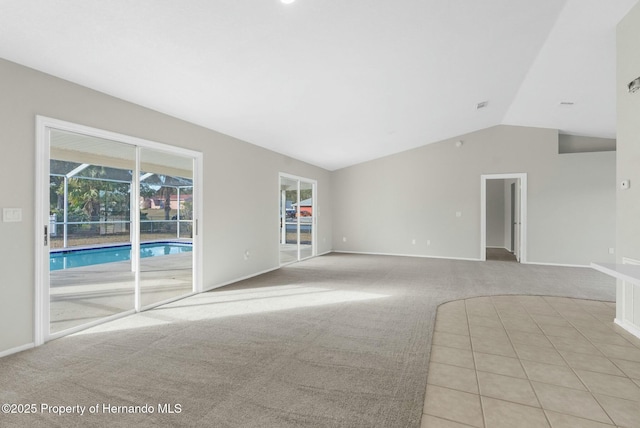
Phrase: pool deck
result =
(85, 294)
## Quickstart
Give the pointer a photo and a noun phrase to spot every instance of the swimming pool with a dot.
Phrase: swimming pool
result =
(68, 259)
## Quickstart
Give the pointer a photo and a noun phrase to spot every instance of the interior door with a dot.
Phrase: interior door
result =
(517, 222)
(512, 201)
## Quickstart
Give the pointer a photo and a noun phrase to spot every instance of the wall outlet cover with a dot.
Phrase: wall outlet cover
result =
(11, 215)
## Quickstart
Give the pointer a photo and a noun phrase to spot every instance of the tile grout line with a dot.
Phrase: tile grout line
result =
(612, 362)
(603, 355)
(475, 366)
(570, 366)
(451, 389)
(595, 344)
(520, 362)
(560, 314)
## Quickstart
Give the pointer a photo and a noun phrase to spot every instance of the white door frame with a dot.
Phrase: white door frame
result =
(522, 177)
(43, 129)
(314, 223)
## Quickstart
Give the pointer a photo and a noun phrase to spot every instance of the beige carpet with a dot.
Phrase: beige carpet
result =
(336, 341)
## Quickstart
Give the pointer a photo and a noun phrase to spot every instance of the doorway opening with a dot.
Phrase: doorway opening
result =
(503, 212)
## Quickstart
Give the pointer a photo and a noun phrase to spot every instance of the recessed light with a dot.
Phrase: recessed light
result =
(482, 104)
(287, 1)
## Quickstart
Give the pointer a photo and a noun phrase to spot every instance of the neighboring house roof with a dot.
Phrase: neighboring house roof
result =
(305, 203)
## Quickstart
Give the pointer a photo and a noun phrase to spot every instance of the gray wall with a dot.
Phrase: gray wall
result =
(238, 177)
(507, 213)
(628, 164)
(580, 144)
(379, 206)
(495, 213)
(382, 205)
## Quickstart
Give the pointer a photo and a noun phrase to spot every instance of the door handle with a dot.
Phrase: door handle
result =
(46, 236)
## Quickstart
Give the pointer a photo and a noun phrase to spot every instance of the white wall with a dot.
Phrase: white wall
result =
(381, 205)
(628, 163)
(238, 177)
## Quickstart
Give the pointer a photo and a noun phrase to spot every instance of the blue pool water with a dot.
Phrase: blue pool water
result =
(68, 259)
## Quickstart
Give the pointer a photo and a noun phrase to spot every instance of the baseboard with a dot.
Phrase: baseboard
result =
(631, 328)
(256, 274)
(407, 255)
(240, 279)
(555, 264)
(17, 349)
(452, 258)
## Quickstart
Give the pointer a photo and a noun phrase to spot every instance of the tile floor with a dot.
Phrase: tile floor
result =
(528, 361)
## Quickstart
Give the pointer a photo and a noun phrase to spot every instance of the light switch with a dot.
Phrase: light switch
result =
(11, 215)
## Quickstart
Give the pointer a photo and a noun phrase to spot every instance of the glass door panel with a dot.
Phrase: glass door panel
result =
(288, 220)
(306, 219)
(166, 226)
(90, 269)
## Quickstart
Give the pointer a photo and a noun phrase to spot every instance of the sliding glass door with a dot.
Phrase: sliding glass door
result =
(297, 218)
(166, 226)
(119, 216)
(91, 274)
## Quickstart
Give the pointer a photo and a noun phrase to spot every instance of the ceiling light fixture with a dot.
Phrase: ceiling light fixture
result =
(483, 104)
(287, 1)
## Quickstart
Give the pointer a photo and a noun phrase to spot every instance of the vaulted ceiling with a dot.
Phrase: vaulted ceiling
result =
(335, 82)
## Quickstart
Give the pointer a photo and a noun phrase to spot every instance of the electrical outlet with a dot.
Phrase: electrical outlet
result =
(344, 239)
(413, 241)
(428, 242)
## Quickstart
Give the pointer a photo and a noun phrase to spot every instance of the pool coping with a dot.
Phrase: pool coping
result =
(116, 245)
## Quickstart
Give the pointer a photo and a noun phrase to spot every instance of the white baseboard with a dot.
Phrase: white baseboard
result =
(240, 279)
(256, 274)
(555, 264)
(631, 328)
(407, 255)
(453, 258)
(17, 349)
